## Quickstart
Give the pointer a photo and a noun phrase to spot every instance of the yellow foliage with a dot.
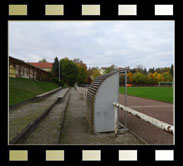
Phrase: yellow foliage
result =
(130, 76)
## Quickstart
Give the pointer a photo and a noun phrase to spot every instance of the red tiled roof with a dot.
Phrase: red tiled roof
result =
(42, 65)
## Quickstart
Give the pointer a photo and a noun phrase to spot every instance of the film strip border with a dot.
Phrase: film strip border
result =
(96, 9)
(89, 155)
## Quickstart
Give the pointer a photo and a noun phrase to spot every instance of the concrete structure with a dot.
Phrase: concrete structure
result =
(103, 91)
(19, 68)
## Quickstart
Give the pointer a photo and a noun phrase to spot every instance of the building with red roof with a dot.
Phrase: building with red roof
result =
(44, 66)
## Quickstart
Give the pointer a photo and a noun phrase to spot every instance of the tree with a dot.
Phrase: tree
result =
(55, 67)
(77, 60)
(82, 73)
(167, 77)
(110, 69)
(69, 71)
(150, 79)
(121, 79)
(171, 70)
(139, 78)
(157, 77)
(144, 71)
(151, 70)
(95, 73)
(130, 77)
(43, 61)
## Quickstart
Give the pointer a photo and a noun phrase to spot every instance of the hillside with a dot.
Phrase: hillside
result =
(21, 89)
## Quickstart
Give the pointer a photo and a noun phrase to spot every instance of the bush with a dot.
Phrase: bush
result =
(139, 78)
(56, 80)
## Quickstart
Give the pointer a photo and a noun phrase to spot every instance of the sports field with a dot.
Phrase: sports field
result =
(164, 94)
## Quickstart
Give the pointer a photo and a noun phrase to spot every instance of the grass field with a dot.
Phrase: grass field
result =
(164, 94)
(21, 89)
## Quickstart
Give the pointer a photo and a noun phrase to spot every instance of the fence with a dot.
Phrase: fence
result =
(162, 125)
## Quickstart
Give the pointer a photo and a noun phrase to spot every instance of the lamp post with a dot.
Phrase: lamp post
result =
(59, 71)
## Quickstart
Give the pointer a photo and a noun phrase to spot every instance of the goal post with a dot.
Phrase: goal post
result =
(165, 84)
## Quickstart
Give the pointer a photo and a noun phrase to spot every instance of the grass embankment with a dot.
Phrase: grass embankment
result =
(21, 89)
(164, 94)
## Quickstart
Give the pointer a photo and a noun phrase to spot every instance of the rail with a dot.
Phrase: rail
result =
(162, 125)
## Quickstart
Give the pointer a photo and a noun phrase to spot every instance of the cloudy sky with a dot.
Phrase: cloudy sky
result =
(97, 43)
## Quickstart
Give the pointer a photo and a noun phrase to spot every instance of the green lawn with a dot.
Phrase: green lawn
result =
(164, 94)
(21, 89)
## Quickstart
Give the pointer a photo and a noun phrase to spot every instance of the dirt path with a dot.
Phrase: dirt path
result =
(25, 114)
(48, 131)
(159, 110)
(77, 130)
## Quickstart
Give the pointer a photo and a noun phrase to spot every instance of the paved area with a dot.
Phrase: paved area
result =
(159, 110)
(48, 131)
(25, 114)
(77, 130)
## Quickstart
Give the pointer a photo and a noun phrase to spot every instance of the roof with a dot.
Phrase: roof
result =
(13, 60)
(42, 65)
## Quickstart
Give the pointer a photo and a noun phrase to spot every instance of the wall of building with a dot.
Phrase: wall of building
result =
(12, 71)
(47, 69)
(18, 68)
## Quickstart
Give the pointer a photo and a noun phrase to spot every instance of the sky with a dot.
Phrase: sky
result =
(96, 43)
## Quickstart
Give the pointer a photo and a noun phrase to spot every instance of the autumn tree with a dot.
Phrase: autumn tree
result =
(157, 77)
(82, 73)
(110, 69)
(130, 77)
(150, 78)
(94, 72)
(167, 77)
(43, 61)
(139, 78)
(77, 61)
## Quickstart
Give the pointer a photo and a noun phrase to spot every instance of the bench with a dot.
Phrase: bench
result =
(63, 94)
(48, 93)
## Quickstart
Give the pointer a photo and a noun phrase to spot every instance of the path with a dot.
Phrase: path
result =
(77, 130)
(25, 114)
(159, 110)
(48, 131)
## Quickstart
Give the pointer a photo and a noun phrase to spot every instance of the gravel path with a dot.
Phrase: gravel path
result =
(159, 110)
(77, 130)
(25, 114)
(48, 131)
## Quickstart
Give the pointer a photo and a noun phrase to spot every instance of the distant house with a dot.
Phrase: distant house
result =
(19, 68)
(44, 66)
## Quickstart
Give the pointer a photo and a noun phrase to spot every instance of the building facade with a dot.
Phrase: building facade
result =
(21, 69)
